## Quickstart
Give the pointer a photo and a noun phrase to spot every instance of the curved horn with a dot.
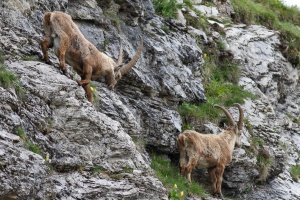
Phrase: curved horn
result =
(241, 119)
(135, 58)
(120, 57)
(227, 113)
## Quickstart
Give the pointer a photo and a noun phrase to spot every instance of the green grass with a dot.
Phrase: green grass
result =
(30, 58)
(220, 82)
(295, 172)
(34, 148)
(166, 8)
(97, 169)
(28, 144)
(9, 80)
(169, 175)
(274, 15)
(256, 142)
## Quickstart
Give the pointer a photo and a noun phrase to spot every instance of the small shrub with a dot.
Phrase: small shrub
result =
(8, 79)
(34, 148)
(21, 133)
(128, 170)
(264, 165)
(97, 169)
(28, 144)
(166, 29)
(295, 172)
(166, 8)
(256, 142)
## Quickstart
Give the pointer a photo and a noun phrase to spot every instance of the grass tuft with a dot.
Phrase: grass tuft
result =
(167, 8)
(295, 172)
(9, 80)
(169, 175)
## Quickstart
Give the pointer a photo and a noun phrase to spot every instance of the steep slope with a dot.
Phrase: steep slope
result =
(97, 151)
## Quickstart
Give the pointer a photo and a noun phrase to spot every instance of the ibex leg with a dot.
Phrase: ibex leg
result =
(45, 45)
(219, 175)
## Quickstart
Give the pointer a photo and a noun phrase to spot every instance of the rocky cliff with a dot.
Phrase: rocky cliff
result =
(110, 135)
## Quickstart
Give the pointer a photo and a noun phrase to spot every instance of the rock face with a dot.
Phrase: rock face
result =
(96, 151)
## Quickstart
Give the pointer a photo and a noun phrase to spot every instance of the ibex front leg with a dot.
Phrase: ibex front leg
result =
(61, 51)
(219, 174)
(45, 45)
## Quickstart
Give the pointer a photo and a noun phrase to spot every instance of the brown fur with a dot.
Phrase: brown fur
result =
(70, 46)
(209, 151)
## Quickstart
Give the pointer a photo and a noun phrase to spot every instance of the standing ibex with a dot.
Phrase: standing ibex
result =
(70, 46)
(210, 151)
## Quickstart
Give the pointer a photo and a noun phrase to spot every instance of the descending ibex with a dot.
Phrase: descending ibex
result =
(70, 46)
(210, 151)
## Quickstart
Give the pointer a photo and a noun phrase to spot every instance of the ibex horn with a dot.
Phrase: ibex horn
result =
(135, 58)
(241, 118)
(227, 113)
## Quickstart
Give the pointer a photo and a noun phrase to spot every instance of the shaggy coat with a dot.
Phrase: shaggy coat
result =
(210, 151)
(70, 46)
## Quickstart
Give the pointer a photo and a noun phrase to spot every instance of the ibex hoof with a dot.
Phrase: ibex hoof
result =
(111, 87)
(48, 62)
(218, 195)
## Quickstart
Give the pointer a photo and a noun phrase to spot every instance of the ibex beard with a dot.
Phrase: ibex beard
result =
(71, 47)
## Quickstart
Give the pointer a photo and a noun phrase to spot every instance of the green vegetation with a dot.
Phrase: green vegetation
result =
(28, 144)
(274, 15)
(97, 169)
(30, 58)
(169, 175)
(248, 125)
(221, 88)
(264, 164)
(1, 58)
(9, 80)
(295, 172)
(256, 142)
(34, 148)
(112, 15)
(166, 8)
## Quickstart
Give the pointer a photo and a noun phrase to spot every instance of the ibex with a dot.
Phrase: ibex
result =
(210, 151)
(70, 46)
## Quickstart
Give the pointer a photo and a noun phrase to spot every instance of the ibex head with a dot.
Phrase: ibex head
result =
(238, 128)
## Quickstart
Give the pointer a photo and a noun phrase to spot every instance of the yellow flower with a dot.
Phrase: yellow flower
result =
(181, 193)
(204, 55)
(175, 186)
(93, 89)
